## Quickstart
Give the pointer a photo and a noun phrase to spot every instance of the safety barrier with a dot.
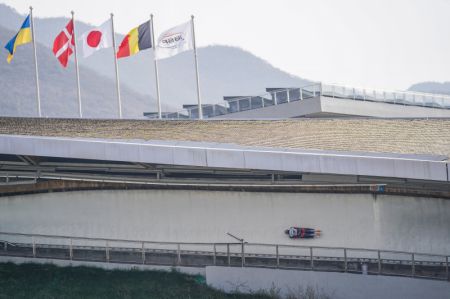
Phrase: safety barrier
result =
(241, 254)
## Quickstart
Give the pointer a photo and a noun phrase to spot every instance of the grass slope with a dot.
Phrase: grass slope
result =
(49, 281)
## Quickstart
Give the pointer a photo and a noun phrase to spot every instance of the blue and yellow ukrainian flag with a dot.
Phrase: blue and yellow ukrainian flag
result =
(22, 37)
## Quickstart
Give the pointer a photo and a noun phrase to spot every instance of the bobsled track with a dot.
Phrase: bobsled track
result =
(168, 193)
(187, 227)
(403, 223)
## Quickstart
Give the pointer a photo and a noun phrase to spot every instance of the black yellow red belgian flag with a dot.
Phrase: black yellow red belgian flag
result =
(137, 39)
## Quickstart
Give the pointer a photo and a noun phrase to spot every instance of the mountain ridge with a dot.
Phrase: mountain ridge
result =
(431, 87)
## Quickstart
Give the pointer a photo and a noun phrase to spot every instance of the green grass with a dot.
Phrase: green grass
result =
(49, 281)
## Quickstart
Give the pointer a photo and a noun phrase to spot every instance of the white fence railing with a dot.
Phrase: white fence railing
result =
(393, 97)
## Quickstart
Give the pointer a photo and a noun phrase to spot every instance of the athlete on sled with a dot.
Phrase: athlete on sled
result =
(302, 232)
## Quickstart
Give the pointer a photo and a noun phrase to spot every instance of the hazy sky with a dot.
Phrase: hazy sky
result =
(378, 43)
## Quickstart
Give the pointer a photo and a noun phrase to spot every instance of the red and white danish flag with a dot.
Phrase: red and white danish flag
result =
(64, 44)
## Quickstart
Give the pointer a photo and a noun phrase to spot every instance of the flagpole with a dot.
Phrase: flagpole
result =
(200, 110)
(38, 93)
(77, 72)
(116, 67)
(158, 99)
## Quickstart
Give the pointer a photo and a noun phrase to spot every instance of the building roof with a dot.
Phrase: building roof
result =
(421, 136)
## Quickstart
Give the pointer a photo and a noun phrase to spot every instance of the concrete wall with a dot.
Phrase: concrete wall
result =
(335, 285)
(219, 155)
(357, 220)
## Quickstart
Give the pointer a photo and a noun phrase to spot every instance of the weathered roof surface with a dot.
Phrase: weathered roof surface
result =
(367, 135)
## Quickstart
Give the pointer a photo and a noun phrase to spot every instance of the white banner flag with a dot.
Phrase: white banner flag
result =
(96, 39)
(174, 41)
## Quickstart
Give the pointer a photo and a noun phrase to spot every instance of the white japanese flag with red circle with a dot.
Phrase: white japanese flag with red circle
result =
(97, 38)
